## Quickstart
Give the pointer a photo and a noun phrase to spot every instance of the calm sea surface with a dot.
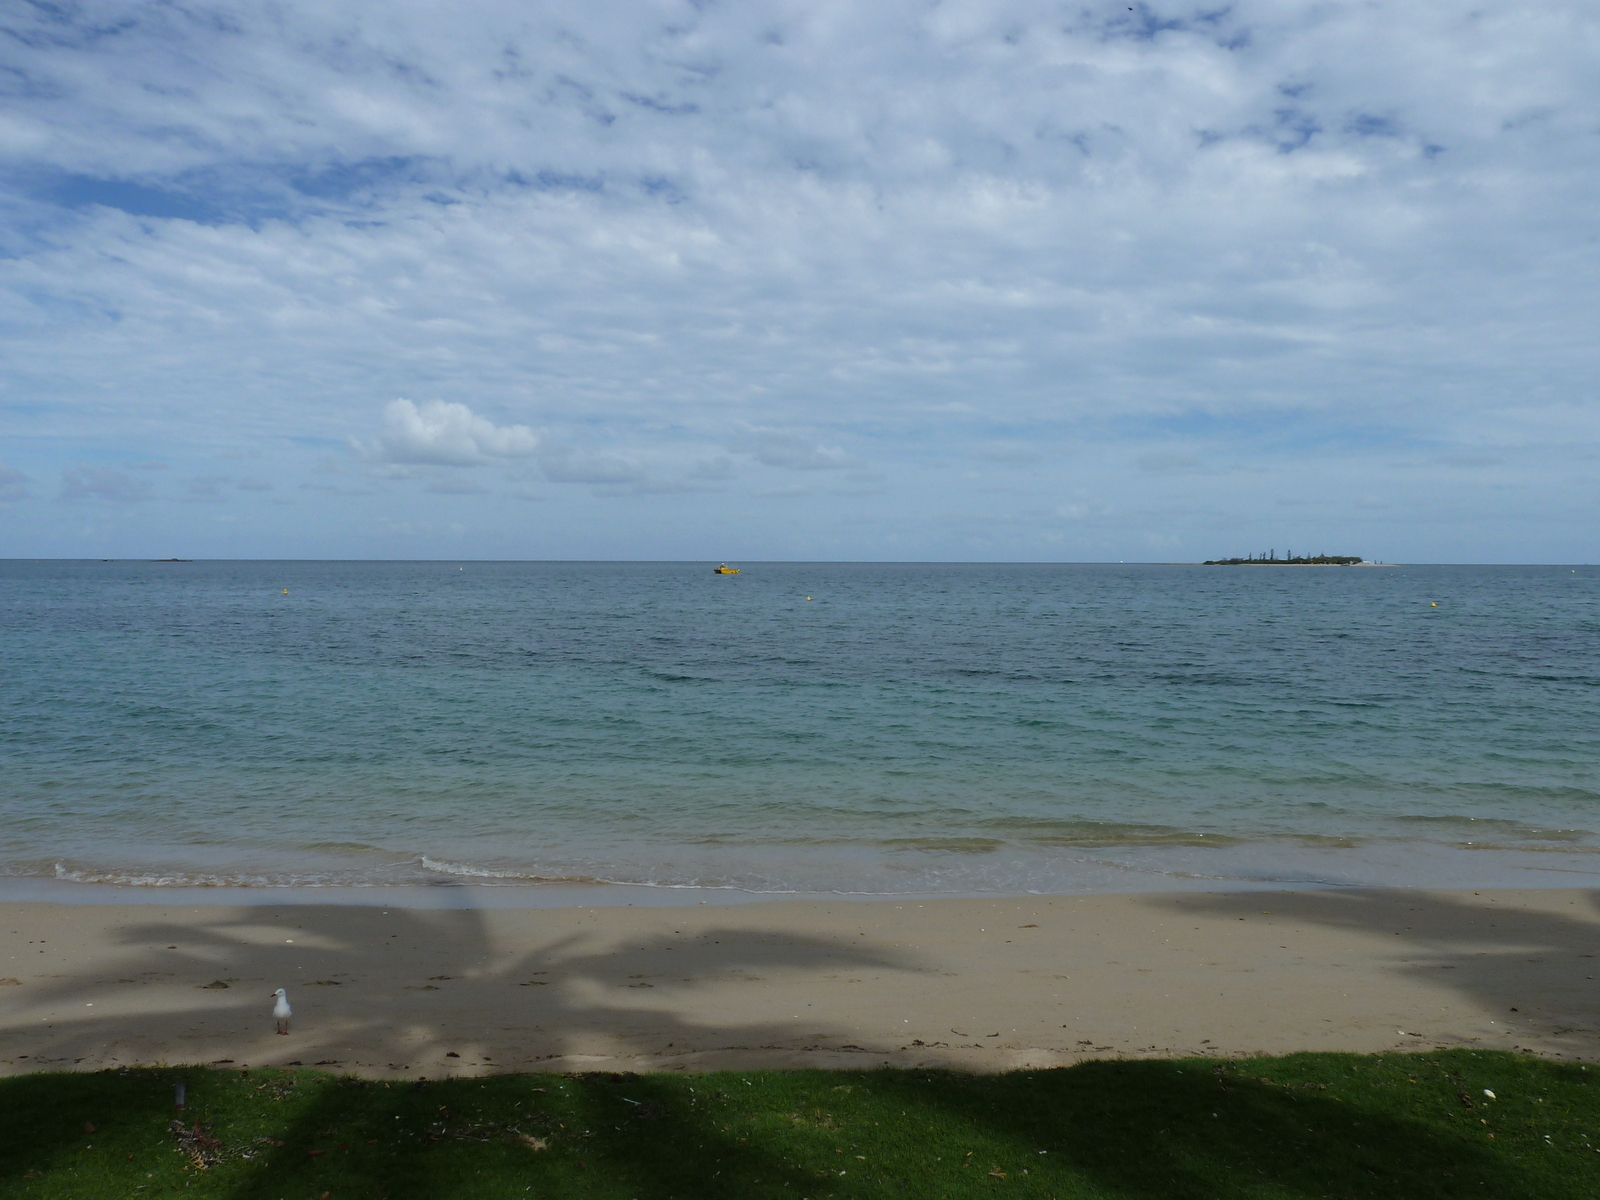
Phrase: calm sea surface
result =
(798, 727)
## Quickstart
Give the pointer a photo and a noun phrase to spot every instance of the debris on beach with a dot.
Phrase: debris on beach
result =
(197, 1145)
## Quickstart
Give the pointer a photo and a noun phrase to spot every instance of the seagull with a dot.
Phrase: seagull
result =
(281, 1010)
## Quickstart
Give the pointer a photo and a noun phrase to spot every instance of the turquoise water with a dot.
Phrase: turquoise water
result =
(908, 728)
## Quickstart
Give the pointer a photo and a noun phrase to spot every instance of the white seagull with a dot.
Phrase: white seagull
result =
(281, 1010)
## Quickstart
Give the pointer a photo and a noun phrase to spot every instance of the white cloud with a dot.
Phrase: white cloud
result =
(1172, 462)
(1303, 237)
(1009, 455)
(775, 449)
(208, 487)
(13, 484)
(102, 483)
(563, 465)
(444, 434)
(455, 487)
(717, 469)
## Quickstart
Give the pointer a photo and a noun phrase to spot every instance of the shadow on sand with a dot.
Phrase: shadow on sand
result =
(459, 1000)
(1538, 971)
(1123, 1129)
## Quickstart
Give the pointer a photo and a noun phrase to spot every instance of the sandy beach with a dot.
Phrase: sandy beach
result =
(981, 985)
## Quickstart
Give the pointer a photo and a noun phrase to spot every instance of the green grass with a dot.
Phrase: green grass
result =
(1398, 1126)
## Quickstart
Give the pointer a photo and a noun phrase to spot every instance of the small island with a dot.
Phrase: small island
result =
(1271, 559)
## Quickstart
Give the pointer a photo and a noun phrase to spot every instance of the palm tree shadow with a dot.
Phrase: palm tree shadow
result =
(316, 952)
(564, 996)
(1536, 970)
(49, 1127)
(582, 995)
(598, 998)
(1198, 1130)
(642, 1132)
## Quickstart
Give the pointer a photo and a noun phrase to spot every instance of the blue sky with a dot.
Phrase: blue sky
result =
(658, 279)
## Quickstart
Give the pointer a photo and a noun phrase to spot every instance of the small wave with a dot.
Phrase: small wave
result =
(174, 880)
(1130, 838)
(1205, 679)
(356, 847)
(688, 885)
(466, 871)
(1524, 848)
(1085, 834)
(679, 677)
(1498, 825)
(1328, 841)
(958, 845)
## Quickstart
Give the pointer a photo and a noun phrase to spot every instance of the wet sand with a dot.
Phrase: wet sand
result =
(980, 985)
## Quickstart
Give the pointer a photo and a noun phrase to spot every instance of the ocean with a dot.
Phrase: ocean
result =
(837, 728)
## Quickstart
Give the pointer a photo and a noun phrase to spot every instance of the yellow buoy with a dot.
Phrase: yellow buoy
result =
(1435, 604)
(808, 597)
(285, 591)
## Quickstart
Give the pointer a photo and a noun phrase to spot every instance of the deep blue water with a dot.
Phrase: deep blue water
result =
(907, 727)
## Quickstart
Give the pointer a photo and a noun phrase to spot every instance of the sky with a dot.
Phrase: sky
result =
(685, 279)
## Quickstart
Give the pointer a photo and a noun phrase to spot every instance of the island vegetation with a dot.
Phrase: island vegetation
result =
(1271, 559)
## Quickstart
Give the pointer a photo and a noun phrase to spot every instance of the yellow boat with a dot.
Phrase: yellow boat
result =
(724, 569)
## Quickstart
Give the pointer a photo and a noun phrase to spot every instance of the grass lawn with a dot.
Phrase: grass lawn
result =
(1402, 1127)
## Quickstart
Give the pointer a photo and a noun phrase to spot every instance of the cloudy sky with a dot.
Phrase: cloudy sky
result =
(890, 280)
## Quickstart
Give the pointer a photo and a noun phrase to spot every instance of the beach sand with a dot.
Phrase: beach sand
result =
(976, 984)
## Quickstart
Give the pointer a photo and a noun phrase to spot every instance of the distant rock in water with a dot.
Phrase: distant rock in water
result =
(1271, 559)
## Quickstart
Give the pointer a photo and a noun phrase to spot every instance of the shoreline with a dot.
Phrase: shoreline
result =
(539, 896)
(980, 984)
(1227, 865)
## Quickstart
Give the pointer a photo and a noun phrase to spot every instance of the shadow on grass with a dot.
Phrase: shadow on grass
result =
(1132, 1130)
(51, 1124)
(624, 1135)
(1197, 1130)
(571, 993)
(1307, 1126)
